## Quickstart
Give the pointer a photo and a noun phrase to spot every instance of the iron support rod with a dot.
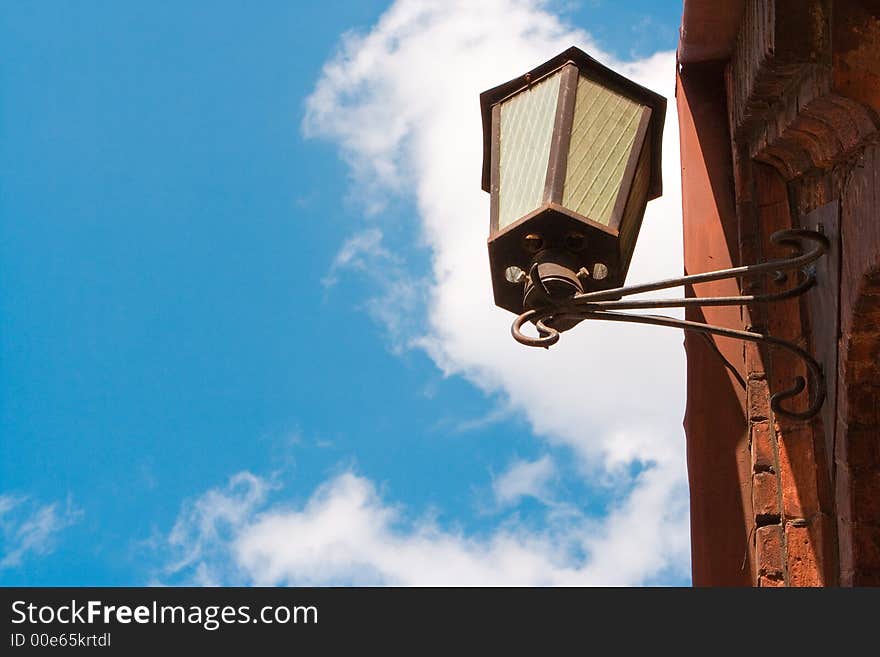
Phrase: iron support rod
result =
(602, 305)
(782, 237)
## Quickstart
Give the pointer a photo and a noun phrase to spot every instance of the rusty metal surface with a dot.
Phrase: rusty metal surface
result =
(507, 248)
(784, 237)
(636, 174)
(629, 215)
(603, 305)
(559, 146)
(823, 306)
(709, 29)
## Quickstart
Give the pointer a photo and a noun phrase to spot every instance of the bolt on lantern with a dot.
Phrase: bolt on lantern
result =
(571, 156)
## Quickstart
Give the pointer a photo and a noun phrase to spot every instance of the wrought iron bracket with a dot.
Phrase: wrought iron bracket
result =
(552, 314)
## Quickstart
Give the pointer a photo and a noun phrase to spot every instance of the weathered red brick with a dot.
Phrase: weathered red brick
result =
(861, 448)
(754, 360)
(864, 346)
(797, 472)
(865, 578)
(809, 552)
(863, 402)
(865, 546)
(768, 550)
(765, 494)
(770, 582)
(857, 372)
(784, 320)
(803, 562)
(758, 399)
(859, 547)
(867, 312)
(865, 497)
(763, 454)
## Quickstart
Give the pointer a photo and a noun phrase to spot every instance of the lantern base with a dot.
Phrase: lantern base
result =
(553, 279)
(574, 242)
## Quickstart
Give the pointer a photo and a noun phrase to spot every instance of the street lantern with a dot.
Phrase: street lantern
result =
(571, 156)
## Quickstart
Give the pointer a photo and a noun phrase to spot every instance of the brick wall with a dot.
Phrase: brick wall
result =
(791, 478)
(856, 446)
(801, 123)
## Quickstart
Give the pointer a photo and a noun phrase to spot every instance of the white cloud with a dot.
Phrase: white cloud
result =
(396, 294)
(493, 416)
(31, 529)
(359, 252)
(401, 102)
(204, 525)
(523, 479)
(8, 503)
(346, 533)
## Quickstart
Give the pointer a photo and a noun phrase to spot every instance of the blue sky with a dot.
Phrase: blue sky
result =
(235, 268)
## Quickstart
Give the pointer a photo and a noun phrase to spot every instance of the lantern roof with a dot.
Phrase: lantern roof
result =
(592, 69)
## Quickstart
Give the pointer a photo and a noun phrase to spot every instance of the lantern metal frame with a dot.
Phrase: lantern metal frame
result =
(550, 218)
(607, 304)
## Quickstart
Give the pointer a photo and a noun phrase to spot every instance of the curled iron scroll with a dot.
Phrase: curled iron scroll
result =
(606, 304)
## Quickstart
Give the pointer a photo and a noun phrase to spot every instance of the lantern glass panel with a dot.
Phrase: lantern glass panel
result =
(631, 221)
(603, 134)
(527, 121)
